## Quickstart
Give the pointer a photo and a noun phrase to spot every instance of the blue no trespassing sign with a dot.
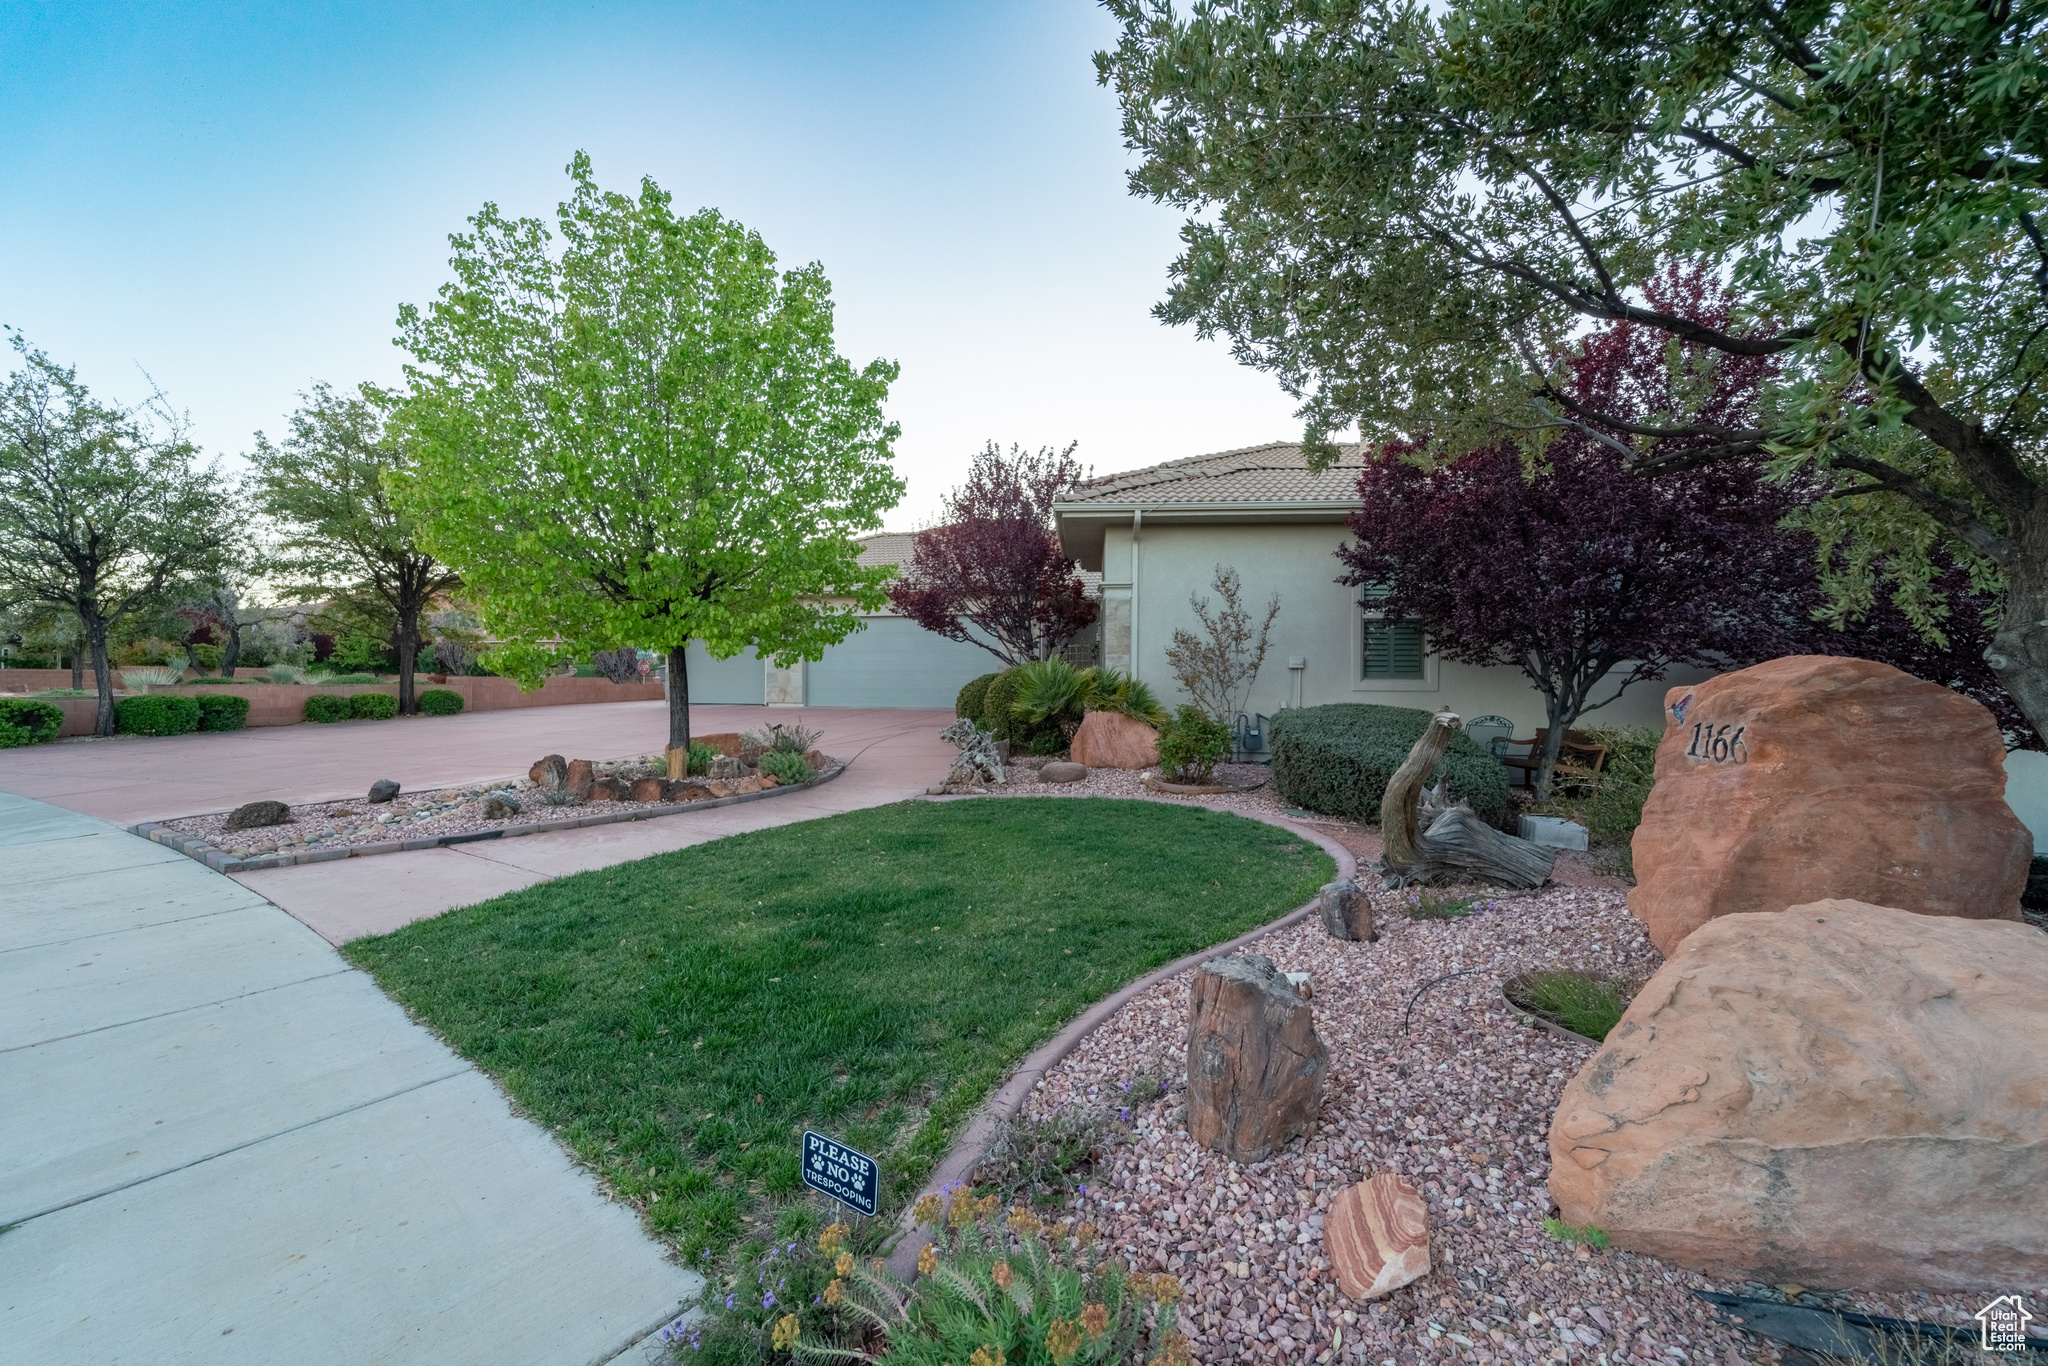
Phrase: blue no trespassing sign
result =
(849, 1177)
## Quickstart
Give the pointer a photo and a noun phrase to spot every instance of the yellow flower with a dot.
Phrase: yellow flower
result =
(928, 1260)
(1166, 1288)
(1095, 1320)
(1085, 1232)
(1024, 1221)
(1175, 1351)
(1062, 1340)
(833, 1292)
(926, 1210)
(987, 1206)
(833, 1238)
(990, 1355)
(785, 1333)
(844, 1266)
(1003, 1275)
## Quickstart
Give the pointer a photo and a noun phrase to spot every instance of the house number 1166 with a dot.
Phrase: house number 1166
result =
(1715, 743)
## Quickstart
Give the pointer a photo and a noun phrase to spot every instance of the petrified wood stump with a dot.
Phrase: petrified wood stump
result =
(1255, 1065)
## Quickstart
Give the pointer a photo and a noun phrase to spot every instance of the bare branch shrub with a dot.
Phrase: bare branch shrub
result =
(1218, 671)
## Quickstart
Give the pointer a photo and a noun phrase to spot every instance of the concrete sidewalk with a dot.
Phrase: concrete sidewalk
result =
(221, 1144)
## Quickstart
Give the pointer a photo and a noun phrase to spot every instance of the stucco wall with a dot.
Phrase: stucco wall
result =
(891, 662)
(1317, 625)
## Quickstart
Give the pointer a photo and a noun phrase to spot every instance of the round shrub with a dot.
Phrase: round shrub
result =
(326, 707)
(999, 715)
(220, 711)
(24, 721)
(1338, 760)
(156, 714)
(440, 702)
(973, 694)
(787, 768)
(1190, 745)
(373, 706)
(997, 701)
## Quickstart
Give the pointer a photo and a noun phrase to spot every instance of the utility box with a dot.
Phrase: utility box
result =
(1553, 832)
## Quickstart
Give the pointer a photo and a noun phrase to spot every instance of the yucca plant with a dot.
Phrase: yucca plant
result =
(1109, 690)
(138, 677)
(1052, 690)
(1002, 1291)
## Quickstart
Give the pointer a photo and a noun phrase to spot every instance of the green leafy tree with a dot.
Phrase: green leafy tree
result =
(643, 438)
(103, 510)
(1407, 213)
(340, 535)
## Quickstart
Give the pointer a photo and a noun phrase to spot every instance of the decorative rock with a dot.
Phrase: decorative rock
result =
(1836, 1094)
(551, 773)
(251, 815)
(1813, 777)
(1255, 1065)
(1303, 987)
(768, 780)
(816, 759)
(719, 787)
(1377, 1237)
(611, 790)
(649, 789)
(582, 773)
(747, 785)
(684, 790)
(500, 806)
(1063, 773)
(726, 742)
(381, 791)
(978, 762)
(727, 767)
(1346, 912)
(1109, 739)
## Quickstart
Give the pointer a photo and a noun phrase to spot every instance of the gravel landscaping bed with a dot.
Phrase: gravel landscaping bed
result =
(1023, 781)
(1460, 1105)
(415, 815)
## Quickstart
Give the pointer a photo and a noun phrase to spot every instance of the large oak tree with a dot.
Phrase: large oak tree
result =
(1404, 211)
(643, 436)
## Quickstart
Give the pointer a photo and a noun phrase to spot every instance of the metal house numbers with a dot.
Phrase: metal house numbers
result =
(1717, 744)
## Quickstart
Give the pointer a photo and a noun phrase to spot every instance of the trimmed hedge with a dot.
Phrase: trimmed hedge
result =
(1338, 760)
(326, 707)
(999, 716)
(27, 722)
(219, 711)
(156, 714)
(373, 706)
(973, 697)
(440, 702)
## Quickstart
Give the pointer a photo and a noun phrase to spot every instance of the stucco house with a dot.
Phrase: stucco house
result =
(1158, 534)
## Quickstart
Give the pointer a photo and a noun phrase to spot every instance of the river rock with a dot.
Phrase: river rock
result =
(1813, 777)
(1377, 1237)
(1062, 772)
(1109, 739)
(500, 806)
(551, 773)
(1346, 912)
(1836, 1094)
(252, 815)
(381, 791)
(1255, 1065)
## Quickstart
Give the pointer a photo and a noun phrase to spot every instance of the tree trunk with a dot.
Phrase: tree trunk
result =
(231, 653)
(1553, 745)
(1456, 844)
(2019, 648)
(96, 640)
(78, 661)
(408, 652)
(679, 711)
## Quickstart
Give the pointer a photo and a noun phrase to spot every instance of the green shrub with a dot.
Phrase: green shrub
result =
(359, 653)
(997, 704)
(1615, 808)
(701, 756)
(26, 722)
(219, 711)
(1109, 690)
(787, 767)
(156, 714)
(330, 679)
(1338, 759)
(326, 707)
(1588, 1006)
(1051, 690)
(973, 694)
(373, 706)
(1190, 744)
(441, 702)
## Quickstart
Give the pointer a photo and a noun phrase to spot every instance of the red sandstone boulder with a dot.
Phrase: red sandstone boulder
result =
(1377, 1236)
(1255, 1065)
(1813, 777)
(582, 773)
(551, 773)
(610, 790)
(726, 742)
(1109, 739)
(649, 789)
(1835, 1094)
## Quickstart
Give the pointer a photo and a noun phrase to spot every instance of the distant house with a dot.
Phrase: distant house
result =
(1157, 534)
(890, 662)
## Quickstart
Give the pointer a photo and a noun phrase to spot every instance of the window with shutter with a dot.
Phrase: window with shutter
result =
(1393, 652)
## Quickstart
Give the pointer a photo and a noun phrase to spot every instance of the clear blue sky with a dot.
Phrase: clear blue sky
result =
(236, 197)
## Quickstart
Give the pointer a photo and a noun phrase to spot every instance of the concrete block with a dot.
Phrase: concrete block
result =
(1553, 832)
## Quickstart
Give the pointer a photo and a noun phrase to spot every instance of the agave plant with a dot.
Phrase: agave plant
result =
(1001, 1291)
(1051, 690)
(1109, 690)
(141, 677)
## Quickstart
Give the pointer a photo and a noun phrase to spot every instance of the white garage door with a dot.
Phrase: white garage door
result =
(895, 663)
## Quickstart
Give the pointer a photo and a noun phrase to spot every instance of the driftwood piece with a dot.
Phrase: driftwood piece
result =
(1429, 838)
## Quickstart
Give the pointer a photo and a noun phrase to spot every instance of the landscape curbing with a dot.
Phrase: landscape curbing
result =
(197, 849)
(980, 1131)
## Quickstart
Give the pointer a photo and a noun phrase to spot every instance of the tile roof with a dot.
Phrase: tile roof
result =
(1274, 473)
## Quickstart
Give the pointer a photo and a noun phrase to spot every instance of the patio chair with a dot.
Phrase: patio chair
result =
(1491, 733)
(1579, 757)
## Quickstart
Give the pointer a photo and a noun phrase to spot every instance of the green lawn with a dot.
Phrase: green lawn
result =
(679, 1020)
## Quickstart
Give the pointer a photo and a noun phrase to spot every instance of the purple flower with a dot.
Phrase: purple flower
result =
(768, 1300)
(1124, 1114)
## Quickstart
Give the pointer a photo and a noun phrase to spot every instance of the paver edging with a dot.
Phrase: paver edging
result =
(980, 1131)
(194, 847)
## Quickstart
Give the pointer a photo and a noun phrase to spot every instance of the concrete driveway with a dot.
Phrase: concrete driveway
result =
(894, 755)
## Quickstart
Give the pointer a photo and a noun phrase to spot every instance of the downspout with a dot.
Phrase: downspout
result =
(1137, 526)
